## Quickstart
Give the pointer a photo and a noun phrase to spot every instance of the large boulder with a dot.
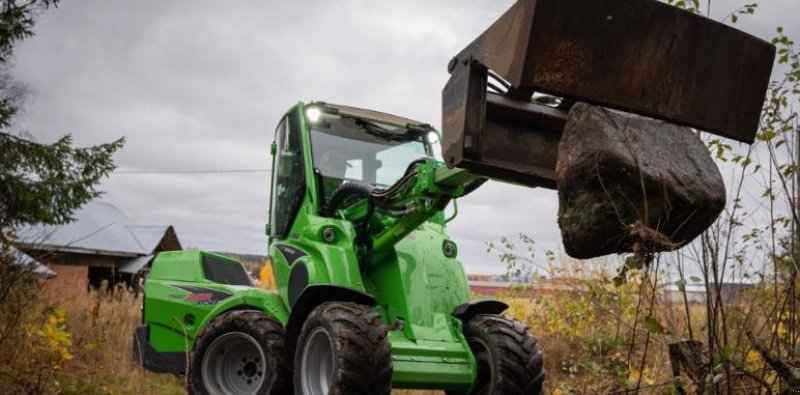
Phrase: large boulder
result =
(627, 182)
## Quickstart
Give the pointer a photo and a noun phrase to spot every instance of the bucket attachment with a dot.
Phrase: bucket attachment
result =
(642, 57)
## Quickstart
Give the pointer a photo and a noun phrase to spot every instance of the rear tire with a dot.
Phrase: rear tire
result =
(239, 352)
(343, 350)
(509, 361)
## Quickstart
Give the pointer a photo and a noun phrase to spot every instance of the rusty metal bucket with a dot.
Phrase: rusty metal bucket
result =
(643, 57)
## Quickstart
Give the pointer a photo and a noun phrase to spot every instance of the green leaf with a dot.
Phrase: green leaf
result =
(653, 326)
(727, 351)
(681, 284)
(695, 279)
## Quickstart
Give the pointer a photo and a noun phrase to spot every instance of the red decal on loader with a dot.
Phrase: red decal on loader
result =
(200, 297)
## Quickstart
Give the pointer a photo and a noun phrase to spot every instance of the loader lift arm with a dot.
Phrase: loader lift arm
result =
(389, 215)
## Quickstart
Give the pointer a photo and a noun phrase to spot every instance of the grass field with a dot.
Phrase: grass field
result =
(85, 341)
(99, 352)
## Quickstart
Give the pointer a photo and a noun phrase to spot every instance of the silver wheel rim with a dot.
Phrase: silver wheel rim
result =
(234, 364)
(317, 364)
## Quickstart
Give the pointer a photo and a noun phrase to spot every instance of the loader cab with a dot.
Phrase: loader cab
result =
(356, 145)
(319, 146)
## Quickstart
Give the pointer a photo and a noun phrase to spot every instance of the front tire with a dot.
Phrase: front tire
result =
(509, 361)
(343, 349)
(238, 353)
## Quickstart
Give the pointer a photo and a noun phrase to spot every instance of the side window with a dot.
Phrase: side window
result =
(288, 179)
(225, 272)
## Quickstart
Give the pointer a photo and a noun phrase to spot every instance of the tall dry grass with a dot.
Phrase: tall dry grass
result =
(586, 326)
(74, 342)
(99, 328)
(95, 355)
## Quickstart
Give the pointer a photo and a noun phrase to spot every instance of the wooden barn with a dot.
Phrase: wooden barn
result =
(101, 244)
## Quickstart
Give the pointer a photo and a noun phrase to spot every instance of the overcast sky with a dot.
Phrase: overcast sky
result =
(200, 85)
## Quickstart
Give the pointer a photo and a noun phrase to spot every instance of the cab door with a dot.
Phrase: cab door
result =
(288, 177)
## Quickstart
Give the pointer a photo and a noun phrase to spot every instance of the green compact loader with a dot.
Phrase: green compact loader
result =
(371, 293)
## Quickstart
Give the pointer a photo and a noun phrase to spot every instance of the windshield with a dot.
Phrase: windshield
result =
(366, 151)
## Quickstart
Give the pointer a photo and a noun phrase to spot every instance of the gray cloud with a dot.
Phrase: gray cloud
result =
(201, 84)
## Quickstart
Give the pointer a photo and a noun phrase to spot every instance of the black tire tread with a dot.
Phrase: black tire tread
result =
(253, 321)
(518, 363)
(363, 355)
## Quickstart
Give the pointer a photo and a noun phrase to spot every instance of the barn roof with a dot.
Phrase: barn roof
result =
(99, 228)
(23, 259)
(135, 264)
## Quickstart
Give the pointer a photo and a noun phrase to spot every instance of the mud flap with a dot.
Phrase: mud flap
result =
(157, 362)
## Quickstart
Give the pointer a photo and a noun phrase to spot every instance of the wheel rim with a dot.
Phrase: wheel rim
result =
(317, 363)
(483, 383)
(234, 364)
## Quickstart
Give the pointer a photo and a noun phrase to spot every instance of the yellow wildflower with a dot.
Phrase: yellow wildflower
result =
(753, 358)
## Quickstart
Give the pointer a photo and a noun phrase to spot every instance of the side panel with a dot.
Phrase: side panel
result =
(179, 301)
(325, 263)
(420, 285)
(176, 311)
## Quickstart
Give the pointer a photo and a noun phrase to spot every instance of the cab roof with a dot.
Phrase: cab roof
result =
(373, 115)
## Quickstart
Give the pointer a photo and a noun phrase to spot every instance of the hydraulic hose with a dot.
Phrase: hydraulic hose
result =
(344, 192)
(377, 197)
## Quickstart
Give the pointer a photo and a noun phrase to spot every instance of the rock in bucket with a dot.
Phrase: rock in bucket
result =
(628, 183)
